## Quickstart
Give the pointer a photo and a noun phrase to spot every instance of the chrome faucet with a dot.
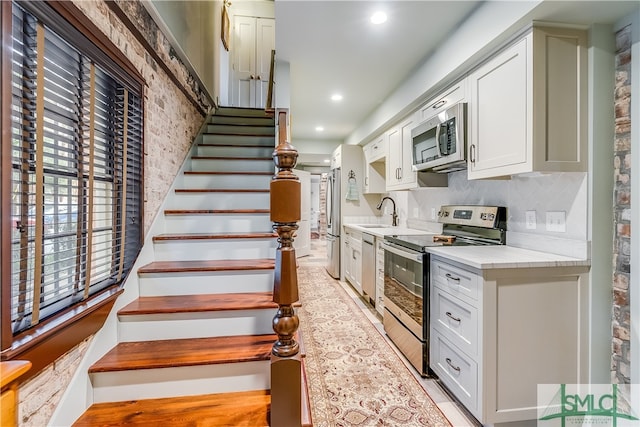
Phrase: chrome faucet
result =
(394, 215)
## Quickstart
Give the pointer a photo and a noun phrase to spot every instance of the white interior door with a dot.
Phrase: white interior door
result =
(254, 39)
(244, 63)
(302, 242)
(265, 43)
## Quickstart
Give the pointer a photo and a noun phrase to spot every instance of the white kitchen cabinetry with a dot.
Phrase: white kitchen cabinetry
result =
(399, 173)
(496, 334)
(454, 94)
(379, 275)
(527, 108)
(353, 258)
(252, 45)
(375, 154)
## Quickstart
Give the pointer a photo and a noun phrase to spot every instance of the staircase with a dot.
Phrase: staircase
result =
(194, 348)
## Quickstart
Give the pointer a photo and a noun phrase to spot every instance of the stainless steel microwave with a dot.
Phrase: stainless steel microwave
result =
(439, 142)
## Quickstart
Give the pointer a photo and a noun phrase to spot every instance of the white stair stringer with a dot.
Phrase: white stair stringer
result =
(152, 327)
(205, 249)
(180, 381)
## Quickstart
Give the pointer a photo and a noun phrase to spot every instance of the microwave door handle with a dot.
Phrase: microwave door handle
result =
(438, 140)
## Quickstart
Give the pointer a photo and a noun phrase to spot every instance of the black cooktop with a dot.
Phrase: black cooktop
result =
(418, 242)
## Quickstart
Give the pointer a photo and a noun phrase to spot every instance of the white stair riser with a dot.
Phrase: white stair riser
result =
(186, 250)
(195, 325)
(236, 151)
(220, 201)
(231, 181)
(241, 130)
(267, 141)
(228, 165)
(264, 121)
(217, 223)
(182, 381)
(240, 112)
(196, 283)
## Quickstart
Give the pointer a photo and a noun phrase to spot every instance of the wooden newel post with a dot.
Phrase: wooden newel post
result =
(285, 357)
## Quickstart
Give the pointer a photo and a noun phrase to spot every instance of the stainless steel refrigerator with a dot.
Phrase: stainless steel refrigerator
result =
(332, 207)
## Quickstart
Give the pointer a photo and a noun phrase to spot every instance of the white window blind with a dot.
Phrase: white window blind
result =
(77, 133)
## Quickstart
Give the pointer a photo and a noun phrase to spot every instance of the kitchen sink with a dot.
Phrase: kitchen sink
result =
(373, 225)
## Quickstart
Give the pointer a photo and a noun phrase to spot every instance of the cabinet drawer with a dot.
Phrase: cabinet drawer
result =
(456, 370)
(458, 282)
(455, 93)
(455, 319)
(375, 150)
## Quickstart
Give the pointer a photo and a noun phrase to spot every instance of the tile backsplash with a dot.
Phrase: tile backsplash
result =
(542, 193)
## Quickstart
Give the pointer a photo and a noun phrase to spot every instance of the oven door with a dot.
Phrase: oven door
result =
(404, 287)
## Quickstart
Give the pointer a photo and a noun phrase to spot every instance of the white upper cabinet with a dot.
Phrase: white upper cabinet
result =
(375, 154)
(527, 107)
(399, 161)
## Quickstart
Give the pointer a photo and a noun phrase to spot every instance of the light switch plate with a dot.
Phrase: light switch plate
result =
(416, 213)
(556, 221)
(433, 213)
(530, 220)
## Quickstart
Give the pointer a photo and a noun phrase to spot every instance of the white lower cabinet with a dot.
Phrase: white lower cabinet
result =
(353, 259)
(496, 334)
(379, 276)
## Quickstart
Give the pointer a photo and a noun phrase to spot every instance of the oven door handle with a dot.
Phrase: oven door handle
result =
(403, 252)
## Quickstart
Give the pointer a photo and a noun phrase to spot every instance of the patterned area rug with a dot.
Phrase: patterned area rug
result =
(355, 378)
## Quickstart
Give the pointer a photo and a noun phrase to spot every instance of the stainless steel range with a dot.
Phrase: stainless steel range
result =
(406, 273)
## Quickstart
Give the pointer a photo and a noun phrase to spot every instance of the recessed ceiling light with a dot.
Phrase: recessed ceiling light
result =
(319, 128)
(327, 161)
(378, 18)
(336, 97)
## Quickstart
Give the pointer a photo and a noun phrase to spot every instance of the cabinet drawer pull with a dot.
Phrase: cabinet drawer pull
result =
(472, 153)
(455, 368)
(439, 104)
(448, 313)
(450, 277)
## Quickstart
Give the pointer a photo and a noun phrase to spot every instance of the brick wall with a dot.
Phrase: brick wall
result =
(173, 116)
(620, 360)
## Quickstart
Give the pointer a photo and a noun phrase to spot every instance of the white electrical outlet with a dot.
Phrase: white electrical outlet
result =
(530, 220)
(556, 221)
(433, 213)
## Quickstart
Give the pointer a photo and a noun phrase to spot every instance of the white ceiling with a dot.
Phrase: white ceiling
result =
(332, 46)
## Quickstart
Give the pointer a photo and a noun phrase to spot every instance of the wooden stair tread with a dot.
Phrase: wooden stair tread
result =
(231, 158)
(213, 236)
(214, 211)
(227, 173)
(219, 133)
(199, 303)
(241, 409)
(220, 190)
(185, 352)
(206, 144)
(207, 265)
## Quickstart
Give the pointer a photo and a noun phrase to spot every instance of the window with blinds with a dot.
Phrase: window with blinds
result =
(76, 183)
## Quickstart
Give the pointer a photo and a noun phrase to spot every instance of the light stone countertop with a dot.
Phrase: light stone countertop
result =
(490, 257)
(382, 230)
